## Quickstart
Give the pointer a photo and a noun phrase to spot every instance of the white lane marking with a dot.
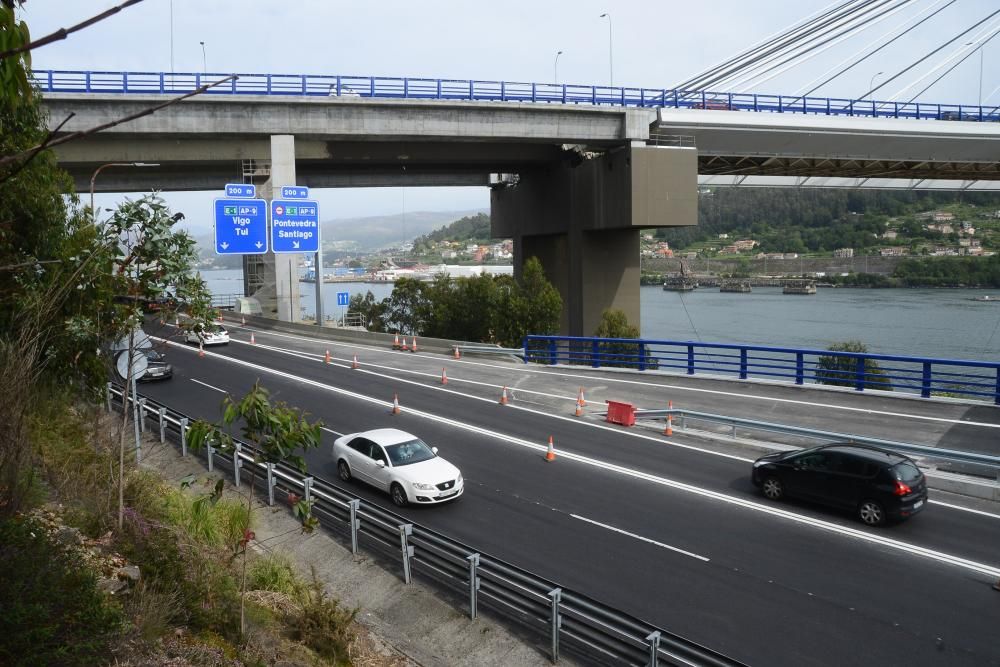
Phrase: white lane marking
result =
(639, 537)
(656, 385)
(606, 466)
(964, 509)
(544, 413)
(205, 384)
(330, 430)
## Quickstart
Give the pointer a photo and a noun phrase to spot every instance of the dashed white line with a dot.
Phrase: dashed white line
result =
(205, 384)
(606, 466)
(639, 537)
(330, 430)
(964, 509)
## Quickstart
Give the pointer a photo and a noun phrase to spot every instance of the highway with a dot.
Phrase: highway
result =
(669, 530)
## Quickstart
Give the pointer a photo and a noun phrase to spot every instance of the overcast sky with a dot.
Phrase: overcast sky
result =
(654, 44)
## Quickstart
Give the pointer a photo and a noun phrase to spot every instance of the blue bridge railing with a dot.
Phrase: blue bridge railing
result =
(916, 375)
(322, 85)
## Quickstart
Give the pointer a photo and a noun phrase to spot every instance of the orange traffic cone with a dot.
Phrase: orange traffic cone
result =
(326, 359)
(395, 404)
(220, 316)
(444, 377)
(252, 340)
(405, 347)
(550, 453)
(201, 350)
(579, 408)
(580, 399)
(354, 364)
(413, 347)
(458, 355)
(670, 426)
(395, 342)
(503, 396)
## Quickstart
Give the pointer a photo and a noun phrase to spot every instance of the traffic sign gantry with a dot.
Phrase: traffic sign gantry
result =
(294, 222)
(240, 226)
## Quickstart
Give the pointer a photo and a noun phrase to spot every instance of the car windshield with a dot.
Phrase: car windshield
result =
(406, 453)
(153, 355)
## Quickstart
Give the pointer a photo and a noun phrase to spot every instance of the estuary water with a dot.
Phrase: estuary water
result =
(944, 323)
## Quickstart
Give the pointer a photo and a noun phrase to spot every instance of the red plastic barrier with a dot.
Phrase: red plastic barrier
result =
(621, 413)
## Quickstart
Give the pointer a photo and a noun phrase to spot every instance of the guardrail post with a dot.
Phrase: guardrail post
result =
(595, 354)
(925, 382)
(743, 363)
(552, 353)
(237, 462)
(307, 485)
(690, 359)
(210, 452)
(184, 429)
(996, 395)
(732, 432)
(800, 374)
(107, 396)
(163, 425)
(142, 415)
(859, 374)
(654, 648)
(555, 621)
(271, 481)
(473, 585)
(642, 356)
(405, 531)
(353, 506)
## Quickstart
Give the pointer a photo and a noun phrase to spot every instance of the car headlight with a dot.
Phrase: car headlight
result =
(459, 480)
(423, 487)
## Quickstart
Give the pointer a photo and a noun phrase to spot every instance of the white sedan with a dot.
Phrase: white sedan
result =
(400, 463)
(213, 334)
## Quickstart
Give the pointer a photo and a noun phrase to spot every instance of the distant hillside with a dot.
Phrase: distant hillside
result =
(470, 228)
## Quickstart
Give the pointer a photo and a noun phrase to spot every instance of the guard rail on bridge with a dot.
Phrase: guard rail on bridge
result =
(915, 375)
(563, 618)
(317, 85)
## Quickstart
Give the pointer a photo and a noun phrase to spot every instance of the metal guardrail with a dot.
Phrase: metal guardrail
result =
(562, 618)
(482, 348)
(682, 416)
(916, 375)
(315, 85)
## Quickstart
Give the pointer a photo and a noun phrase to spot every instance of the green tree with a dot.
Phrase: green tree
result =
(614, 324)
(841, 371)
(406, 310)
(278, 434)
(539, 307)
(371, 311)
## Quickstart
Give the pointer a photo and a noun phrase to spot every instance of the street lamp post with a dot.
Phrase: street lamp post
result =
(611, 61)
(555, 67)
(93, 178)
(981, 73)
(871, 82)
(204, 61)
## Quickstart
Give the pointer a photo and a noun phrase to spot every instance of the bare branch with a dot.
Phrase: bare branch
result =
(35, 151)
(127, 119)
(63, 33)
(11, 267)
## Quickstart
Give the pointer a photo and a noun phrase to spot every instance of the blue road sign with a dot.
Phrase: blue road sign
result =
(240, 226)
(294, 192)
(294, 225)
(241, 190)
(343, 298)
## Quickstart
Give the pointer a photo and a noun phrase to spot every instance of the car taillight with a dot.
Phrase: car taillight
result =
(902, 489)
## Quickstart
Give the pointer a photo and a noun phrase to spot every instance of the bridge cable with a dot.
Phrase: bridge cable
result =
(870, 44)
(777, 46)
(761, 45)
(983, 43)
(931, 53)
(845, 32)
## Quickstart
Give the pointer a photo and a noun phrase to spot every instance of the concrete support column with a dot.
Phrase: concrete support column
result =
(581, 218)
(281, 284)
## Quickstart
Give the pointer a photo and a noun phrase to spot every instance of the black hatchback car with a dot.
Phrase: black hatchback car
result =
(876, 484)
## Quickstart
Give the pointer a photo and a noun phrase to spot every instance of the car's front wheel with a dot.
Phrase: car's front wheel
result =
(344, 470)
(773, 488)
(398, 495)
(871, 513)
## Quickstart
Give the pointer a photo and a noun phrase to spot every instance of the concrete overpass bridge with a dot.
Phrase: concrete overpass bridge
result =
(575, 172)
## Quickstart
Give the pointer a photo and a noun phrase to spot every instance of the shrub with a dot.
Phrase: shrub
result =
(53, 613)
(614, 324)
(321, 623)
(272, 573)
(842, 371)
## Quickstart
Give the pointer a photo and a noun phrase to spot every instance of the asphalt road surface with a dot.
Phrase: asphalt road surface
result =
(669, 530)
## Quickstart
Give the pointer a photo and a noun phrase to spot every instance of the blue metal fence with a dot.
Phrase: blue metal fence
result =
(917, 375)
(322, 85)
